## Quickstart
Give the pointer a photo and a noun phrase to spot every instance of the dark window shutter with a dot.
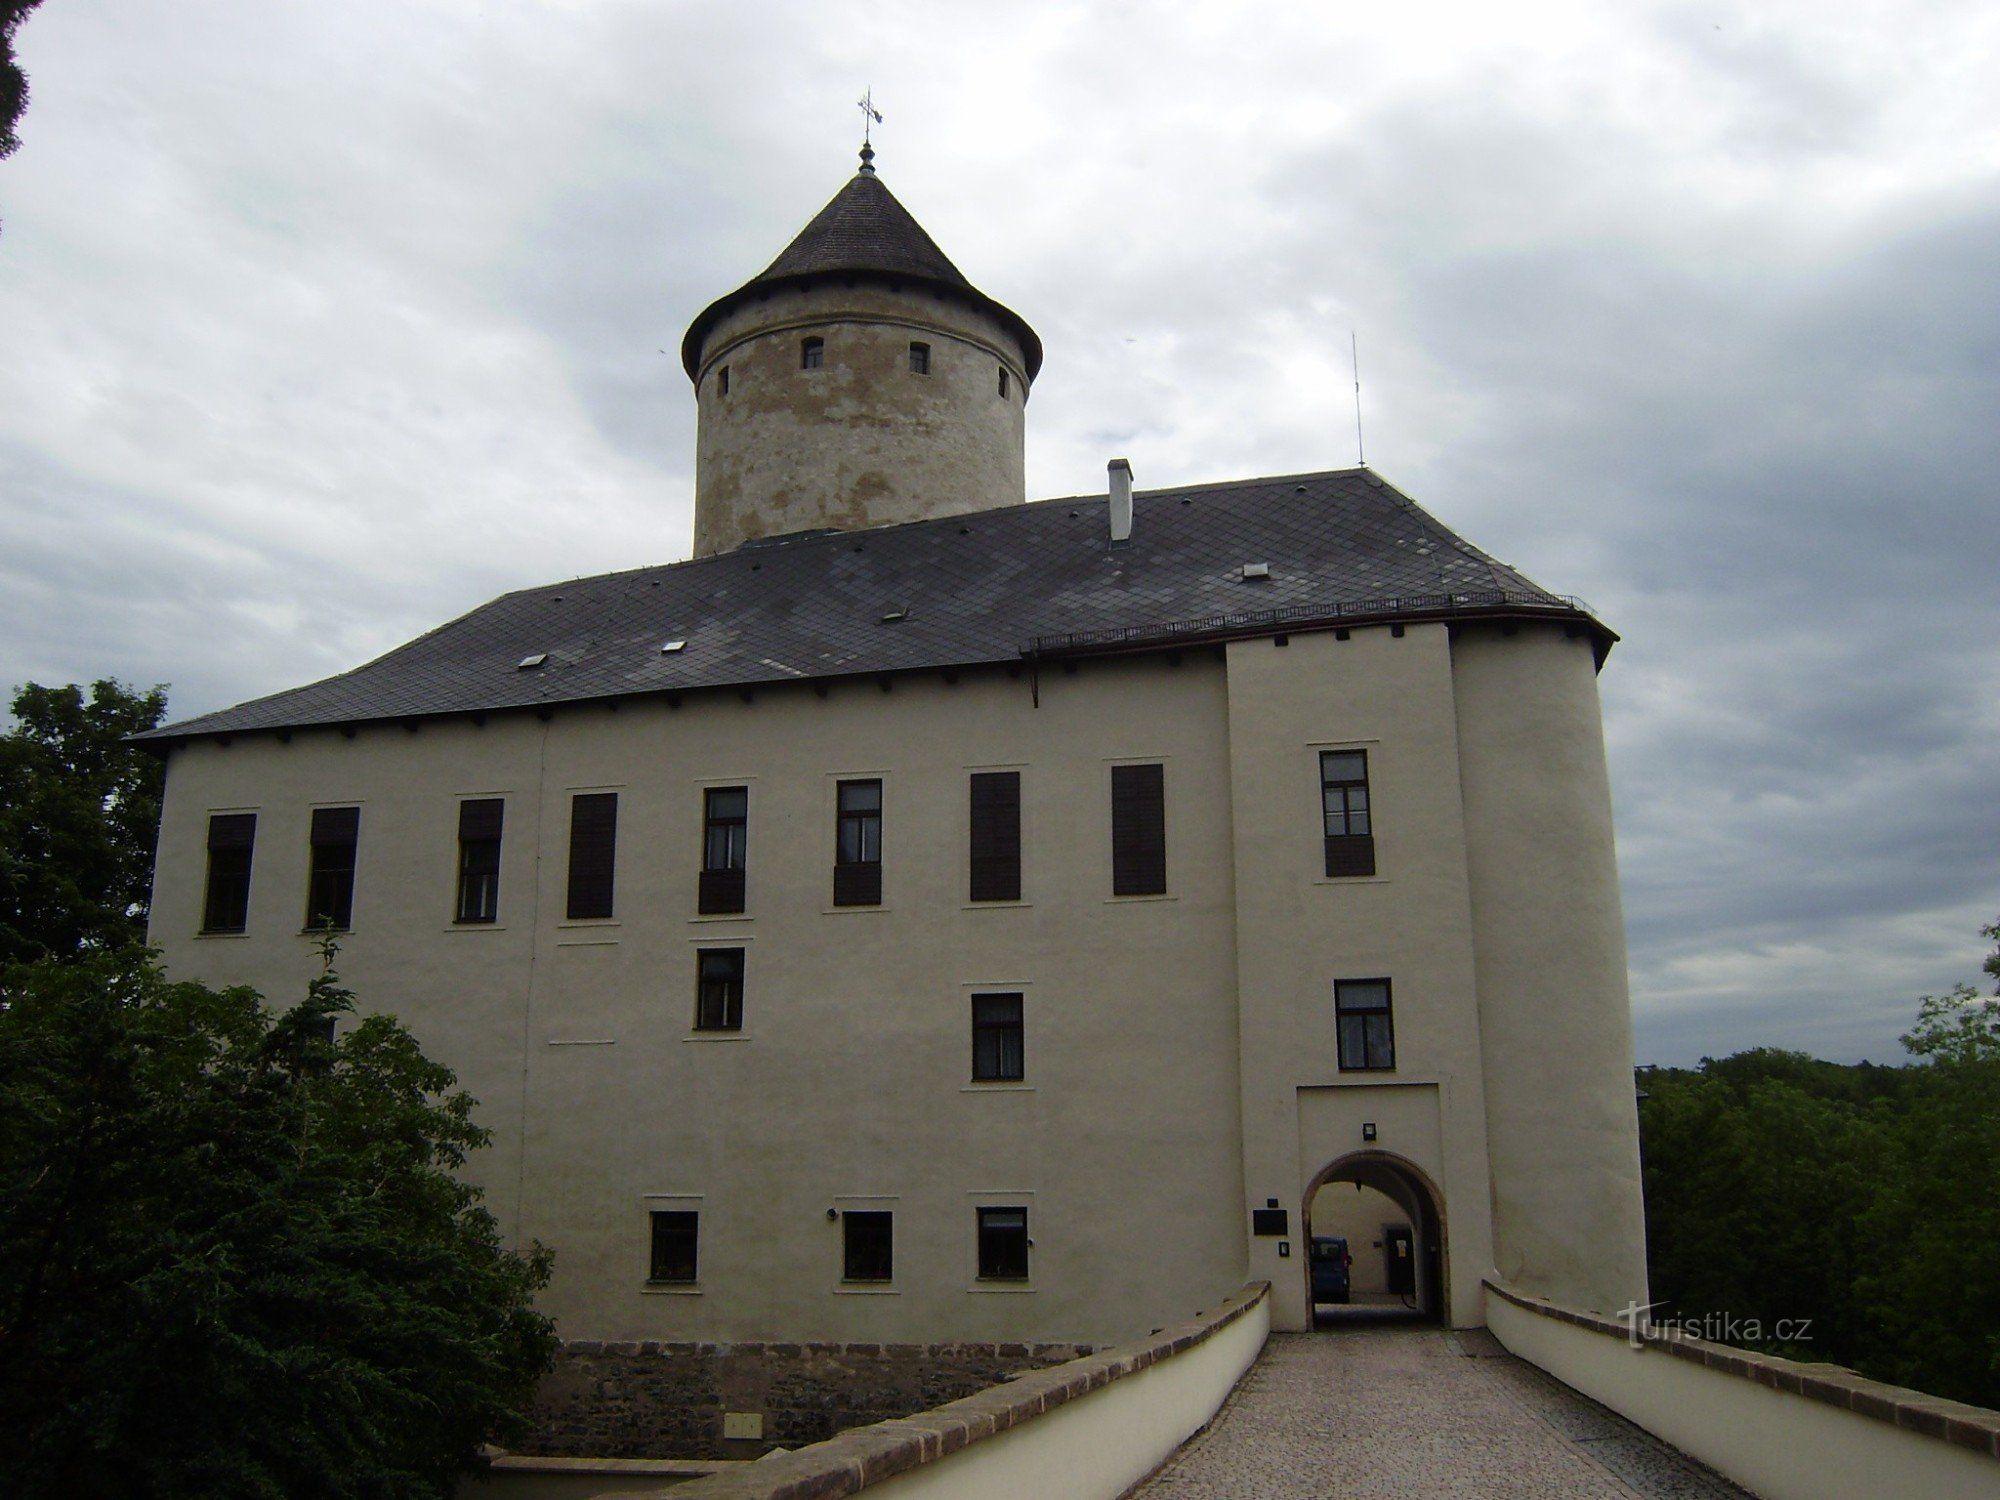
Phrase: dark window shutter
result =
(1138, 831)
(996, 836)
(336, 825)
(593, 850)
(721, 892)
(226, 903)
(857, 885)
(1350, 854)
(232, 830)
(335, 835)
(480, 818)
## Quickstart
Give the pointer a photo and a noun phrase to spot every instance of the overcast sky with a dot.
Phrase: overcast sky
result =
(324, 323)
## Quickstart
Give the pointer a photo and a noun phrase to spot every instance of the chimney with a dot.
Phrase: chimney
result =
(1121, 499)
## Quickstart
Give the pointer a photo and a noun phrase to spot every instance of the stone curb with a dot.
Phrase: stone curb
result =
(1973, 1427)
(854, 1460)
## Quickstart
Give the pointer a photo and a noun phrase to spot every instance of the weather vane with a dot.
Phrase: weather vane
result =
(870, 118)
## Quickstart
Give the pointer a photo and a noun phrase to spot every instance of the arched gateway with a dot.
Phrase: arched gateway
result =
(1395, 1230)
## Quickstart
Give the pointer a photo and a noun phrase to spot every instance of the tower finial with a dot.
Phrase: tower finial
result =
(870, 117)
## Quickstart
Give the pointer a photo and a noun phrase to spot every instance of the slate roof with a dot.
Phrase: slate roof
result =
(995, 586)
(862, 232)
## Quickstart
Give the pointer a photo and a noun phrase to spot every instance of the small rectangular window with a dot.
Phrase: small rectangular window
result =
(725, 836)
(857, 870)
(1367, 1026)
(812, 354)
(997, 1033)
(1343, 790)
(1003, 1244)
(920, 359)
(231, 839)
(479, 859)
(330, 884)
(1138, 830)
(996, 836)
(718, 1002)
(722, 381)
(593, 854)
(1003, 380)
(868, 1245)
(676, 1237)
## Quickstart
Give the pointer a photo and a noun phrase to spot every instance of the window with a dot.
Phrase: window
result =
(593, 853)
(718, 999)
(1003, 380)
(996, 836)
(1343, 790)
(1003, 1244)
(676, 1233)
(996, 1038)
(868, 1245)
(231, 837)
(330, 885)
(722, 381)
(725, 832)
(1367, 1031)
(857, 870)
(920, 359)
(1138, 831)
(479, 859)
(812, 354)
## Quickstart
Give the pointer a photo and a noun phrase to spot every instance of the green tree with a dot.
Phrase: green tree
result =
(1757, 1168)
(236, 1254)
(13, 83)
(79, 817)
(1935, 1287)
(1865, 1199)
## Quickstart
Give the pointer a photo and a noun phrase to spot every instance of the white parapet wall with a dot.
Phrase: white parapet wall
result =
(1087, 1430)
(1786, 1430)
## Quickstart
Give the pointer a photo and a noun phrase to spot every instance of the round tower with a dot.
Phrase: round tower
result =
(859, 380)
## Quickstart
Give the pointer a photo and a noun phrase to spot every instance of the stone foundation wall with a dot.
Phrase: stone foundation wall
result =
(668, 1400)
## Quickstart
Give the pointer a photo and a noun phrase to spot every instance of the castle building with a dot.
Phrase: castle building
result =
(929, 915)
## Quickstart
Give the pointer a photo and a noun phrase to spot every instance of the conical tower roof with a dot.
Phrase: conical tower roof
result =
(864, 232)
(864, 228)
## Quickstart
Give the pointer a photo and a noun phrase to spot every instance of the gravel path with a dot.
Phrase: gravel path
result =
(1376, 1412)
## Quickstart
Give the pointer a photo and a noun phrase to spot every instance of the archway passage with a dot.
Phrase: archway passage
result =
(1379, 1215)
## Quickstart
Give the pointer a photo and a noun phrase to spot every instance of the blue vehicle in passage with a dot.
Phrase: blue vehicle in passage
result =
(1330, 1262)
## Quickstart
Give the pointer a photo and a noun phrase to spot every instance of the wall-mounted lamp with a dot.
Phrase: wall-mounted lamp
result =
(832, 1214)
(1284, 1249)
(1368, 1130)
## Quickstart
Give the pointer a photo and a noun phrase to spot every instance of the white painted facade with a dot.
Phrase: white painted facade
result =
(1182, 1068)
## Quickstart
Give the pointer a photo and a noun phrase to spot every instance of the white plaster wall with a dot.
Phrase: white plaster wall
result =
(861, 441)
(850, 1078)
(1778, 1445)
(1181, 1051)
(1298, 931)
(1554, 1016)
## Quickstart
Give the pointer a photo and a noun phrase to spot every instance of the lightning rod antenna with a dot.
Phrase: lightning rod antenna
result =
(1354, 344)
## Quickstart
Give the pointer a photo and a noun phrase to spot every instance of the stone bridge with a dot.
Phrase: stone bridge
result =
(1545, 1401)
